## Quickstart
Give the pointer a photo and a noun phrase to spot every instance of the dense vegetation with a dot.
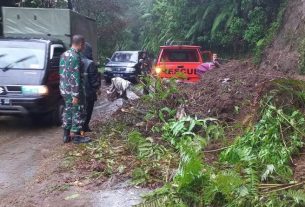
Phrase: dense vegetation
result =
(226, 26)
(150, 145)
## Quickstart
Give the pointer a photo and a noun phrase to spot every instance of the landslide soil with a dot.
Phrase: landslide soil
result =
(229, 92)
(283, 54)
(232, 94)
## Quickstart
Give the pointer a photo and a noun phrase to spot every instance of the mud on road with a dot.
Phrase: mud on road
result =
(31, 156)
(22, 147)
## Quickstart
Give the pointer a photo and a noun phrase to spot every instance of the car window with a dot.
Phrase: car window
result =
(22, 55)
(125, 57)
(181, 55)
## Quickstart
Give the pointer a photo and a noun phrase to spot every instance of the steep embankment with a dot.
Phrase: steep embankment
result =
(228, 92)
(284, 52)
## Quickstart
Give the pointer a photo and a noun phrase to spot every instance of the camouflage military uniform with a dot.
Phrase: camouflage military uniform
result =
(71, 85)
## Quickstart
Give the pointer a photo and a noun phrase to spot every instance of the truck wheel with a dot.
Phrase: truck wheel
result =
(56, 115)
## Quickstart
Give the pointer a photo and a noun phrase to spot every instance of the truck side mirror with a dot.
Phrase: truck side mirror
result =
(108, 60)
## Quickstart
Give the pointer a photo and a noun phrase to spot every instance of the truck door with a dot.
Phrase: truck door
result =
(53, 77)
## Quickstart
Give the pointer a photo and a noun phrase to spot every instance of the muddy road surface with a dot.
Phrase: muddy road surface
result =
(30, 159)
(23, 146)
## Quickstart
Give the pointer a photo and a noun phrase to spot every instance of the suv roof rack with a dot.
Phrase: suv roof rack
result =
(174, 42)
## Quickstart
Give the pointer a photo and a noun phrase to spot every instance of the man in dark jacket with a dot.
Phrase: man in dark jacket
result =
(92, 83)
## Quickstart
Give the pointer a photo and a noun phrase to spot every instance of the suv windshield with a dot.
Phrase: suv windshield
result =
(181, 55)
(22, 55)
(125, 57)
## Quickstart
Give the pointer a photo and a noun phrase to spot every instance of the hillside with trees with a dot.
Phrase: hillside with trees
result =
(230, 27)
(235, 138)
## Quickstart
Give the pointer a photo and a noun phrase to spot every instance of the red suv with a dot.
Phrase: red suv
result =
(180, 62)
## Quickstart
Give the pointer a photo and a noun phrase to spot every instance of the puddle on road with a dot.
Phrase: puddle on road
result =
(104, 109)
(121, 195)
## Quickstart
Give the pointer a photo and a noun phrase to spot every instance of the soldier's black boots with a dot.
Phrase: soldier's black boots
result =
(67, 137)
(78, 139)
(87, 129)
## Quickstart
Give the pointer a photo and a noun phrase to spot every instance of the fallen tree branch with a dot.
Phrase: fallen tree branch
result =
(216, 150)
(284, 188)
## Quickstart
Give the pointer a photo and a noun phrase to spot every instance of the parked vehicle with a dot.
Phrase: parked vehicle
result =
(29, 59)
(180, 62)
(124, 64)
(29, 77)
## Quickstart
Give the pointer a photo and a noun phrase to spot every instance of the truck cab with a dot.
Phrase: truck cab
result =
(29, 77)
(179, 62)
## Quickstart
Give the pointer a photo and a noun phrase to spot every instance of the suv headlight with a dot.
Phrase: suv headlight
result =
(35, 90)
(130, 70)
(158, 70)
(108, 69)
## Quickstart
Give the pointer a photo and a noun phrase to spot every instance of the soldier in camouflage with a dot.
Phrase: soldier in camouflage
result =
(72, 89)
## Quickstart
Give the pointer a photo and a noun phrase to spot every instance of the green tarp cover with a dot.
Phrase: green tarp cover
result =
(54, 23)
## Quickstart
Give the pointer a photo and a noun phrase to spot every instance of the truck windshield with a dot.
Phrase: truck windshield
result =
(181, 55)
(125, 57)
(22, 55)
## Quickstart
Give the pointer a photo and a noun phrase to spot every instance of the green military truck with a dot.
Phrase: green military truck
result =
(33, 42)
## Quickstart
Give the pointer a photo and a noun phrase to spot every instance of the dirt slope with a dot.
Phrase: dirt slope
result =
(226, 92)
(229, 91)
(283, 53)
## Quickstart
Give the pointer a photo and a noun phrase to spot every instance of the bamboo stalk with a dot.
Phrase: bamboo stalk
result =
(168, 170)
(272, 184)
(287, 187)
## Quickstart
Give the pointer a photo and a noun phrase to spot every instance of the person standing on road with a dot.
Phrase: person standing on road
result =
(92, 83)
(72, 89)
(145, 66)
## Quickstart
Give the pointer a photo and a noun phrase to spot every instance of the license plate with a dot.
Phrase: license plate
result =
(5, 101)
(118, 75)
